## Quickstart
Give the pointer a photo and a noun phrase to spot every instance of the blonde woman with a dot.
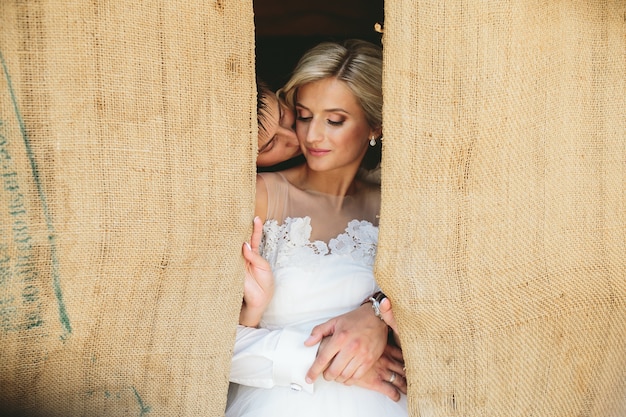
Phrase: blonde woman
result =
(315, 260)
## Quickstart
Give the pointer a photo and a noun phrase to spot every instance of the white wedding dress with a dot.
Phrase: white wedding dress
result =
(322, 250)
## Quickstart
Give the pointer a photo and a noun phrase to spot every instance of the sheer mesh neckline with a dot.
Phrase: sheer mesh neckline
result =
(328, 215)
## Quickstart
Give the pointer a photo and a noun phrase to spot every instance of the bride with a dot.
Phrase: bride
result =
(318, 246)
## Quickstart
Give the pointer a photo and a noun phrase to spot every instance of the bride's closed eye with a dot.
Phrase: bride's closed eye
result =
(306, 118)
(335, 122)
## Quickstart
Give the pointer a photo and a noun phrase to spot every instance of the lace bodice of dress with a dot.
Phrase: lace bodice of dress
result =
(283, 243)
(304, 224)
(321, 249)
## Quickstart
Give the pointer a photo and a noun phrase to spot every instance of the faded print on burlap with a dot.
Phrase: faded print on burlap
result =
(127, 180)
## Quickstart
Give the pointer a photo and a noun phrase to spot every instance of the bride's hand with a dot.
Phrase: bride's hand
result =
(387, 376)
(387, 314)
(258, 286)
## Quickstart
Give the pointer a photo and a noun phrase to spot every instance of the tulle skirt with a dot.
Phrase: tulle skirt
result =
(330, 399)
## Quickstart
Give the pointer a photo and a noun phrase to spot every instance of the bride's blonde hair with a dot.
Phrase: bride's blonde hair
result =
(356, 62)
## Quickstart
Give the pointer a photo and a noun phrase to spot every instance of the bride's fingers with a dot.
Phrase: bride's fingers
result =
(396, 367)
(398, 382)
(387, 314)
(254, 259)
(257, 233)
(394, 353)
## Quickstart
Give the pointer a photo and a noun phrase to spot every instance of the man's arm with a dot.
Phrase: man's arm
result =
(266, 358)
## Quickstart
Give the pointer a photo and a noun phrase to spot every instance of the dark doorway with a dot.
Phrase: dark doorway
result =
(285, 29)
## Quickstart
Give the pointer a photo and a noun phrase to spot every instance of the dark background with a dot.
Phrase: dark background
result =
(286, 29)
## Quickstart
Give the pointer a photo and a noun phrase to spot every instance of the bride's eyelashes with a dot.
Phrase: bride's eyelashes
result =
(305, 119)
(335, 122)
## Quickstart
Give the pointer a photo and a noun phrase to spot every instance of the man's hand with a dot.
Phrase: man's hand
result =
(352, 344)
(387, 376)
(258, 287)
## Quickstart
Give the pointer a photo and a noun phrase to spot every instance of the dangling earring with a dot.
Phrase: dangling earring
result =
(373, 141)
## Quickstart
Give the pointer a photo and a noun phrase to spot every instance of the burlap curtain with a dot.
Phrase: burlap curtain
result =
(127, 176)
(126, 154)
(503, 227)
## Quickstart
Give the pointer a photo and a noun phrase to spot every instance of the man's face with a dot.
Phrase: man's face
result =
(278, 142)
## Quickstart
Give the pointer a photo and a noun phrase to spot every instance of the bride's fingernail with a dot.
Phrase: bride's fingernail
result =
(248, 246)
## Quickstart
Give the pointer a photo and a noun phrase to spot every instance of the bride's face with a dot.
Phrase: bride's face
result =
(277, 142)
(331, 126)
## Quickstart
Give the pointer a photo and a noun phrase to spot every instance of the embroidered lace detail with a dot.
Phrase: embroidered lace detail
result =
(281, 244)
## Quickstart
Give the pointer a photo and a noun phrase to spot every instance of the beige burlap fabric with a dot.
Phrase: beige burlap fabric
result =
(126, 174)
(503, 228)
(126, 155)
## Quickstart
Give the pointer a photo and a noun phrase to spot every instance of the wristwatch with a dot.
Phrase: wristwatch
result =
(375, 299)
